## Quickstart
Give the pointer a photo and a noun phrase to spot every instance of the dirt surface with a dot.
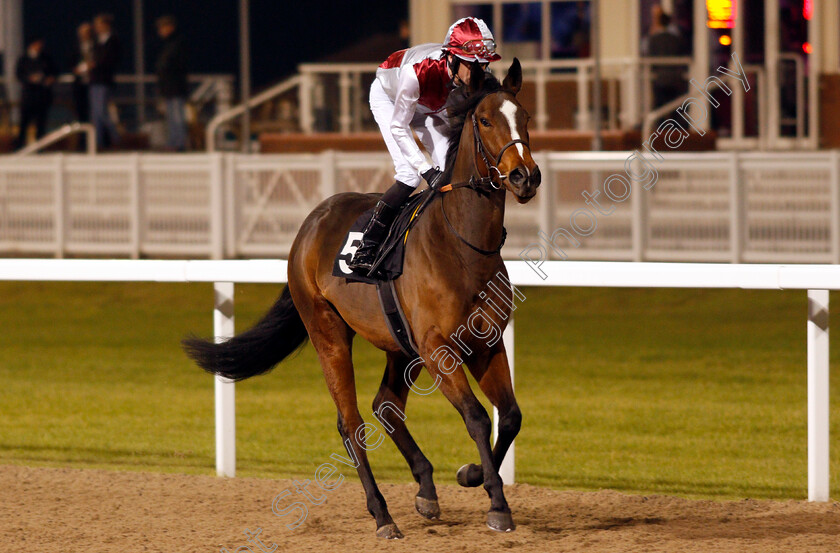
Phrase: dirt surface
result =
(68, 510)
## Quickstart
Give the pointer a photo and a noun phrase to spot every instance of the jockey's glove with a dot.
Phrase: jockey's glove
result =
(434, 177)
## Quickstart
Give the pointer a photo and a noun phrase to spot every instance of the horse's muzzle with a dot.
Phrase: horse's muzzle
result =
(525, 182)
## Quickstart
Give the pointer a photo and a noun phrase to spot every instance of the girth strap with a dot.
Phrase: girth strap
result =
(395, 318)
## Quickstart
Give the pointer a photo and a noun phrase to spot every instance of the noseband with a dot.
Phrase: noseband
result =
(492, 168)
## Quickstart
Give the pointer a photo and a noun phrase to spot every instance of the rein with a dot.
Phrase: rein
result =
(479, 183)
(464, 240)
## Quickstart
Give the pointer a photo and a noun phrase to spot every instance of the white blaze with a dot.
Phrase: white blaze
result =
(508, 109)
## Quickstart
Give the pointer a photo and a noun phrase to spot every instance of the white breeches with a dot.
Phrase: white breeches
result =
(430, 129)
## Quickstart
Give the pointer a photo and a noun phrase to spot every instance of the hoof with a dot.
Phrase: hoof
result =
(428, 508)
(500, 522)
(470, 476)
(389, 532)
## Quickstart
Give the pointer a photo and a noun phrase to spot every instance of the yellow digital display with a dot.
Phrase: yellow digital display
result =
(721, 14)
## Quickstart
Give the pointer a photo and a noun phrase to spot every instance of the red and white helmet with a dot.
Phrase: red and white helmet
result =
(470, 39)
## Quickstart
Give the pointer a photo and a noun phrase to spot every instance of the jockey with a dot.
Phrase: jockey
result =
(408, 94)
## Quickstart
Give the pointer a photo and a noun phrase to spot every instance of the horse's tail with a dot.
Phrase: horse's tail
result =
(257, 350)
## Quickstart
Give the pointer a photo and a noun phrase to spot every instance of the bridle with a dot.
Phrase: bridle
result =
(492, 167)
(477, 184)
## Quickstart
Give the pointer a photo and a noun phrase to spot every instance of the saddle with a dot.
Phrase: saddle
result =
(388, 264)
(389, 260)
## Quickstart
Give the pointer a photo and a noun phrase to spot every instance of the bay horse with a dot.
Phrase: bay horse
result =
(451, 255)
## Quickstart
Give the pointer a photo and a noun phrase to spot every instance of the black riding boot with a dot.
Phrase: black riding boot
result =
(376, 229)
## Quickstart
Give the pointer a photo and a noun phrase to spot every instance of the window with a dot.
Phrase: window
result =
(545, 29)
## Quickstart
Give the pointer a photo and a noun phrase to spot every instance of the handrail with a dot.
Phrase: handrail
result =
(238, 110)
(128, 78)
(655, 114)
(60, 134)
(204, 89)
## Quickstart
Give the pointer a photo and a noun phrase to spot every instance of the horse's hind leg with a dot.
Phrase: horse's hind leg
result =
(389, 406)
(332, 338)
(492, 373)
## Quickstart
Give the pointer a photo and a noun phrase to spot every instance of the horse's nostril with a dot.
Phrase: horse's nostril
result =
(536, 177)
(517, 176)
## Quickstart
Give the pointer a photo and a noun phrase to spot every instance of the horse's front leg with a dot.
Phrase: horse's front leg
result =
(492, 372)
(443, 365)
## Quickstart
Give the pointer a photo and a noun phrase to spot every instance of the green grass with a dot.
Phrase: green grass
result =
(691, 392)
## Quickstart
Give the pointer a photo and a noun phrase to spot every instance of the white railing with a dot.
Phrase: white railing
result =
(60, 134)
(238, 110)
(341, 90)
(718, 207)
(816, 279)
(625, 106)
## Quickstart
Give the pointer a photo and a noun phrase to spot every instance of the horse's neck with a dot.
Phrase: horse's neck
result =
(477, 216)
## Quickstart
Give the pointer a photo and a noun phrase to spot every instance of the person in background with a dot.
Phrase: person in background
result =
(82, 56)
(103, 65)
(37, 72)
(172, 81)
(668, 80)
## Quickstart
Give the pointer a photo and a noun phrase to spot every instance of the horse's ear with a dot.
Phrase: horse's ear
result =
(513, 80)
(476, 77)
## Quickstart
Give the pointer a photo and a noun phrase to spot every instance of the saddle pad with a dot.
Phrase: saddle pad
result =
(392, 248)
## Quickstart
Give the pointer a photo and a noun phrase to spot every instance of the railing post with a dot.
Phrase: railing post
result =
(639, 222)
(328, 171)
(545, 198)
(507, 470)
(630, 96)
(224, 95)
(90, 136)
(225, 390)
(584, 118)
(772, 33)
(835, 206)
(305, 102)
(233, 207)
(217, 209)
(818, 397)
(541, 95)
(60, 207)
(737, 210)
(358, 102)
(344, 118)
(136, 208)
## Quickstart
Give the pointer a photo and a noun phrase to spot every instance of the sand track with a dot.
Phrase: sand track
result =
(69, 510)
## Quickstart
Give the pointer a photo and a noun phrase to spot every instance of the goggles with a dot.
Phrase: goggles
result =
(483, 47)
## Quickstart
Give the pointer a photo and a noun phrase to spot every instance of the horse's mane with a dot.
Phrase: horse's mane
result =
(461, 105)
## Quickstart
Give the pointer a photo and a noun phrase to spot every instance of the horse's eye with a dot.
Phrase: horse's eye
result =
(484, 122)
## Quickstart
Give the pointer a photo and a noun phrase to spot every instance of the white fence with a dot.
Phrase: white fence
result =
(817, 279)
(715, 207)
